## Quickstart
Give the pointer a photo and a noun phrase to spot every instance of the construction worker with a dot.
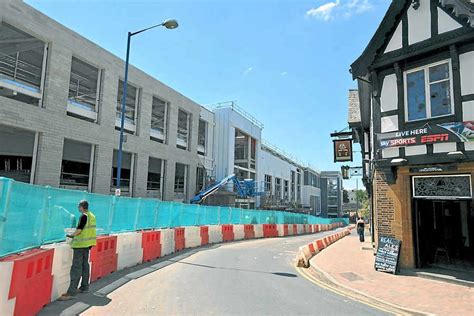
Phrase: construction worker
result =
(83, 239)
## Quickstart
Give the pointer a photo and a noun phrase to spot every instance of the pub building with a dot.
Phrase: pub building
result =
(413, 115)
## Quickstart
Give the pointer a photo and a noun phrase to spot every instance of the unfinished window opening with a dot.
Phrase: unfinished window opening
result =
(126, 173)
(76, 165)
(22, 65)
(159, 120)
(184, 122)
(155, 178)
(131, 105)
(180, 181)
(241, 149)
(84, 86)
(253, 153)
(298, 187)
(286, 187)
(293, 184)
(16, 153)
(268, 183)
(200, 179)
(202, 137)
(278, 187)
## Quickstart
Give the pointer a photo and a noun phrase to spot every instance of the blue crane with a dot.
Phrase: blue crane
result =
(245, 189)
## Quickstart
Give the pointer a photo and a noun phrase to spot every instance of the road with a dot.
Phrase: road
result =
(243, 278)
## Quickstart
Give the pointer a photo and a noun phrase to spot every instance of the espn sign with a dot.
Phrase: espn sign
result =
(342, 150)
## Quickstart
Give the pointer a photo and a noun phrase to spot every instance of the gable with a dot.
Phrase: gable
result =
(409, 22)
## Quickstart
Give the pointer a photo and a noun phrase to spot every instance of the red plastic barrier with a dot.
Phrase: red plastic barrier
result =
(310, 228)
(270, 230)
(304, 228)
(204, 235)
(316, 228)
(31, 281)
(151, 244)
(103, 257)
(179, 243)
(320, 244)
(285, 230)
(295, 229)
(227, 232)
(249, 232)
(311, 248)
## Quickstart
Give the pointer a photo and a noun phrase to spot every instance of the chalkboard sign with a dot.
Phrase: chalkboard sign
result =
(388, 252)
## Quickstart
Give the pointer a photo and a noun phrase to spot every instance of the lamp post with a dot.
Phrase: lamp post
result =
(169, 24)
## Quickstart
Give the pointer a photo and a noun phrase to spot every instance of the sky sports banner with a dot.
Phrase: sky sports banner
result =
(429, 134)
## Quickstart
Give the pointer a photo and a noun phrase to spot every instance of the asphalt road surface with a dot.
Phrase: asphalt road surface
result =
(243, 278)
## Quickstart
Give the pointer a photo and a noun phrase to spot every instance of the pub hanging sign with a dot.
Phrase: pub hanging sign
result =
(342, 150)
(429, 134)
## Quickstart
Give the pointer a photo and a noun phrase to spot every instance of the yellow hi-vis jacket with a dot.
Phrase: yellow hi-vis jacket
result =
(87, 237)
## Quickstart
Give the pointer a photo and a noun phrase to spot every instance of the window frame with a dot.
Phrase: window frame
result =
(154, 132)
(128, 126)
(92, 113)
(426, 69)
(40, 94)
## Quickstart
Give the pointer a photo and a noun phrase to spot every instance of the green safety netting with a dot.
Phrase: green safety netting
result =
(33, 215)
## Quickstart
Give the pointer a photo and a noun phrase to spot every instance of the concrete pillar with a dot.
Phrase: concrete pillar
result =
(49, 158)
(141, 175)
(102, 169)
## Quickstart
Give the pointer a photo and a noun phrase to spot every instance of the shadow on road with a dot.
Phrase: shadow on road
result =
(283, 274)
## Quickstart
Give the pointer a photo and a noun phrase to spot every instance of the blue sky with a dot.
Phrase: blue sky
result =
(285, 62)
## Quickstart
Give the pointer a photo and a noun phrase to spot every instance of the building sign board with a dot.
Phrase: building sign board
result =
(342, 150)
(429, 134)
(442, 187)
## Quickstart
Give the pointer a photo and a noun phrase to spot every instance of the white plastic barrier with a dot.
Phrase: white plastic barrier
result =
(239, 232)
(215, 234)
(167, 241)
(300, 228)
(62, 261)
(258, 229)
(192, 236)
(129, 250)
(7, 307)
(281, 230)
(290, 229)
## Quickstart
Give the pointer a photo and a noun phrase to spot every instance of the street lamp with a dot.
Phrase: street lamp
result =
(169, 24)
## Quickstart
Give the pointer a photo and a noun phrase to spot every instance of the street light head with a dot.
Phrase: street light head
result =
(170, 24)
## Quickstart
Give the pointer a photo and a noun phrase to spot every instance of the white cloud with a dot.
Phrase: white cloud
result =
(324, 11)
(344, 8)
(284, 73)
(247, 71)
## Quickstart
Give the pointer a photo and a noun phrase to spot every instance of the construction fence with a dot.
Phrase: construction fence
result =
(32, 215)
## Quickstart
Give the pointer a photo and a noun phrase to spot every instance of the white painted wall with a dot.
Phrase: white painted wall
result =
(396, 40)
(274, 166)
(468, 110)
(419, 23)
(389, 94)
(444, 147)
(416, 150)
(466, 65)
(227, 121)
(389, 124)
(390, 152)
(446, 23)
(208, 160)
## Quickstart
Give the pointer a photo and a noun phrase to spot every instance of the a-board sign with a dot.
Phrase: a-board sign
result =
(388, 252)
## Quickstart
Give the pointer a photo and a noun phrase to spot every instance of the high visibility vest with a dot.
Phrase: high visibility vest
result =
(87, 237)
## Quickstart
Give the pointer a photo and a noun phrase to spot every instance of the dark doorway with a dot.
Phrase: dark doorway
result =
(444, 233)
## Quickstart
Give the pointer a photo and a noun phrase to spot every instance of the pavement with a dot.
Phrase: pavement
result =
(255, 277)
(353, 272)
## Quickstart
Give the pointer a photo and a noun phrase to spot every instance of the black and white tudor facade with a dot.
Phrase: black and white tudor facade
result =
(416, 127)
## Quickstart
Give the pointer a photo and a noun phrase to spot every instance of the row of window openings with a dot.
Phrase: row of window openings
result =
(75, 174)
(280, 185)
(22, 73)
